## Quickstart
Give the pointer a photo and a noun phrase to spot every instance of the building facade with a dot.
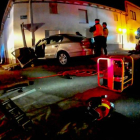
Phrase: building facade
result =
(26, 21)
(132, 21)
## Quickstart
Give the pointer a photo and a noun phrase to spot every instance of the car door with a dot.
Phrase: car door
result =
(52, 47)
(40, 48)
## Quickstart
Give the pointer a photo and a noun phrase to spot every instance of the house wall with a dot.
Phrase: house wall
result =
(67, 21)
(21, 9)
(132, 25)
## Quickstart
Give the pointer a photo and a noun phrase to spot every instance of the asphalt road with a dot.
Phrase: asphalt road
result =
(46, 98)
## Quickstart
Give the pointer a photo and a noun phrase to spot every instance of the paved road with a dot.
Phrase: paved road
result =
(50, 90)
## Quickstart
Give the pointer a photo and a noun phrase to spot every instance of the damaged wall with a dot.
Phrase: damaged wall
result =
(21, 15)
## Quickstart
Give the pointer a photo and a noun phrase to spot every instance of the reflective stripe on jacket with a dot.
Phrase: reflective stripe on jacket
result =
(105, 32)
(98, 31)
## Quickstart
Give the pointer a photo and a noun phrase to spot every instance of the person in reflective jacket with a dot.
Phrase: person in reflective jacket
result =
(97, 30)
(105, 34)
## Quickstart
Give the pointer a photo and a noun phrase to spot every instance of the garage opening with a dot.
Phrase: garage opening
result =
(51, 32)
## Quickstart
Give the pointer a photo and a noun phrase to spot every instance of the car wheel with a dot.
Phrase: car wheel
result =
(63, 58)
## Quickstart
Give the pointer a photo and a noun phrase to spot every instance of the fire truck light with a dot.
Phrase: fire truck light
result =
(135, 32)
(120, 29)
(124, 30)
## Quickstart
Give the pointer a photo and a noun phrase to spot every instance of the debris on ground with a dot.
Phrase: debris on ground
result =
(12, 79)
(24, 56)
(15, 84)
(11, 66)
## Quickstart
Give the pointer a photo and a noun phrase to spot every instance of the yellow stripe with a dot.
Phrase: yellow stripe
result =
(105, 105)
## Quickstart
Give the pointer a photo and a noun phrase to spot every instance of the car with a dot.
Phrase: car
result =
(63, 47)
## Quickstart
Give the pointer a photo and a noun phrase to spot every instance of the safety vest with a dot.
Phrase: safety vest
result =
(98, 31)
(105, 32)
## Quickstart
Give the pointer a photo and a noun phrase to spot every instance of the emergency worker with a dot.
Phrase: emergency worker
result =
(105, 34)
(138, 46)
(97, 30)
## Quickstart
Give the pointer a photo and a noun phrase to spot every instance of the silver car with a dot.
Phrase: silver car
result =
(63, 47)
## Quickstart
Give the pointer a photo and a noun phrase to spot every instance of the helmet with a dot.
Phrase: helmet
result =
(105, 23)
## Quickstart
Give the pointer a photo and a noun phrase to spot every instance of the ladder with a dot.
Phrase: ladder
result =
(15, 114)
(15, 124)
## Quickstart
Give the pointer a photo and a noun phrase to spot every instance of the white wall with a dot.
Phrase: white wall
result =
(21, 9)
(67, 20)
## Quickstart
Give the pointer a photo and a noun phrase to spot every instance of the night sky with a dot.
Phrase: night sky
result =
(2, 8)
(119, 4)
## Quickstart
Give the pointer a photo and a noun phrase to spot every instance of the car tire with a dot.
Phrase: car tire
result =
(63, 58)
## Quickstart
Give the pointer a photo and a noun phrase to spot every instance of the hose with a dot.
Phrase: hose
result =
(82, 73)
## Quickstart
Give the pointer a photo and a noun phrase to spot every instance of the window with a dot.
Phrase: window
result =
(83, 16)
(116, 17)
(51, 32)
(132, 15)
(23, 17)
(53, 8)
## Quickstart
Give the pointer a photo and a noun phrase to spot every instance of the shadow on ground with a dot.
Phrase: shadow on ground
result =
(75, 63)
(71, 124)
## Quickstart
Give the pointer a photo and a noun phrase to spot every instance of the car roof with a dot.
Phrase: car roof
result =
(65, 35)
(69, 36)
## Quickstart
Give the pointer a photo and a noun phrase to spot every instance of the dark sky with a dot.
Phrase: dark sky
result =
(2, 8)
(119, 4)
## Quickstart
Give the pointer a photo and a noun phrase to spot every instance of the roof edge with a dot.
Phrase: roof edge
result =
(128, 2)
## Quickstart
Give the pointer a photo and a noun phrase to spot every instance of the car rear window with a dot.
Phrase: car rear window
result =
(74, 38)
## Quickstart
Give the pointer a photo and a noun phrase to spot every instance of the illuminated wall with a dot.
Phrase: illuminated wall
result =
(7, 38)
(133, 22)
(21, 9)
(67, 21)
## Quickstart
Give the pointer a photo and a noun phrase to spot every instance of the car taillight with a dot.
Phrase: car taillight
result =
(85, 43)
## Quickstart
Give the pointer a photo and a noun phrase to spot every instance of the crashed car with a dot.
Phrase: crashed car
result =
(63, 47)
